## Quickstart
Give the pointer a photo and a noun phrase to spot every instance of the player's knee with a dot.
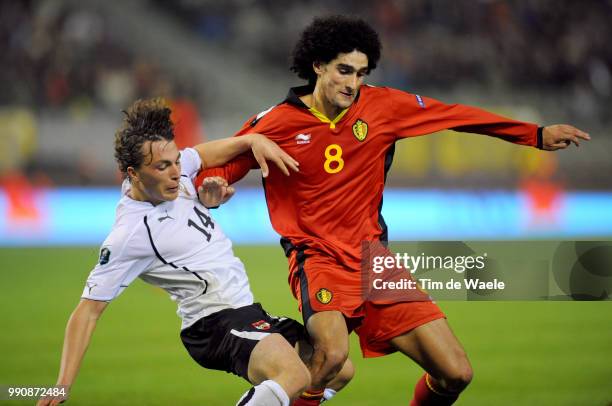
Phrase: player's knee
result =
(335, 359)
(458, 378)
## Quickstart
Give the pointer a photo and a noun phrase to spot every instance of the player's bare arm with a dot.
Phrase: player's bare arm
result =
(560, 136)
(79, 330)
(219, 152)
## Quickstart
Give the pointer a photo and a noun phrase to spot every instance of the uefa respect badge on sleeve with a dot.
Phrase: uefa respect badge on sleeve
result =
(486, 270)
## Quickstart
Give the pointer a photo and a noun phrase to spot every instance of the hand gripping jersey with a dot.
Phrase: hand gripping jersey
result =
(334, 202)
(175, 245)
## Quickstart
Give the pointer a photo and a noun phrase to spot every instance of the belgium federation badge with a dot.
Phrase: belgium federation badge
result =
(360, 130)
(324, 296)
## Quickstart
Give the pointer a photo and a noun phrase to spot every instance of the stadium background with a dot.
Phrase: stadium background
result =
(67, 69)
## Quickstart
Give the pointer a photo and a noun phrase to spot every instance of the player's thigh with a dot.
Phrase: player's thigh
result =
(274, 358)
(329, 333)
(435, 348)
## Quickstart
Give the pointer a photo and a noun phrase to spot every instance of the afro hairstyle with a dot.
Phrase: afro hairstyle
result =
(327, 37)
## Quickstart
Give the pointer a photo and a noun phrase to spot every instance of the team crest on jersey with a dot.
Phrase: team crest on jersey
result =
(360, 130)
(261, 325)
(324, 296)
(104, 256)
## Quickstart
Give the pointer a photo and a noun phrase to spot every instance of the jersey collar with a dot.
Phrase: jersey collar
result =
(324, 119)
(293, 97)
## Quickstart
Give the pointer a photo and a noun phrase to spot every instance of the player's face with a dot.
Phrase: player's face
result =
(340, 79)
(157, 179)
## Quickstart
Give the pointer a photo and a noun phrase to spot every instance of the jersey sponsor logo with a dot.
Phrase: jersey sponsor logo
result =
(360, 130)
(302, 138)
(104, 256)
(90, 286)
(420, 101)
(261, 325)
(324, 296)
(166, 217)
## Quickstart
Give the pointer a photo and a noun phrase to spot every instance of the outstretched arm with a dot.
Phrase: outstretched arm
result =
(418, 115)
(79, 330)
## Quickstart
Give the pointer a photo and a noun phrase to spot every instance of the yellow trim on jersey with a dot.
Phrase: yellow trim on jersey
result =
(324, 119)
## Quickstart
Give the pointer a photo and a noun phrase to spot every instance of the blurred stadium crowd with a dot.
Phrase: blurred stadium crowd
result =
(58, 55)
(66, 61)
(440, 44)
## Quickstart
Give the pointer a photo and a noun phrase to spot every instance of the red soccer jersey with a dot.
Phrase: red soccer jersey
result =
(334, 202)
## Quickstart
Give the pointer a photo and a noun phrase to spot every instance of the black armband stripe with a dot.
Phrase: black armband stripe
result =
(540, 143)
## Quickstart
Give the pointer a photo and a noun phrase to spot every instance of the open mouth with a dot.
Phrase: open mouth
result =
(347, 95)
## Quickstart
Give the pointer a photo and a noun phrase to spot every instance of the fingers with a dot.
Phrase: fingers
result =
(559, 145)
(214, 191)
(288, 159)
(229, 192)
(205, 193)
(267, 150)
(582, 134)
(560, 136)
(261, 160)
(284, 160)
(575, 135)
(212, 185)
(281, 165)
(214, 180)
(290, 162)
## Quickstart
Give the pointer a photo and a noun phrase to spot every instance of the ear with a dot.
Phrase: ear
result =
(318, 67)
(132, 174)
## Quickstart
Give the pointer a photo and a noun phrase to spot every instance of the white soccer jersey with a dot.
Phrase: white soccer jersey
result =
(175, 245)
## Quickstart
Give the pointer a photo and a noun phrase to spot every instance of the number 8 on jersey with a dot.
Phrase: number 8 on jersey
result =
(333, 153)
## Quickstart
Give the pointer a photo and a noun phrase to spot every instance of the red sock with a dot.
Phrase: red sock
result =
(426, 394)
(309, 398)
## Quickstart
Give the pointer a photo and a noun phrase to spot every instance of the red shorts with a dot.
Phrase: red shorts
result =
(319, 284)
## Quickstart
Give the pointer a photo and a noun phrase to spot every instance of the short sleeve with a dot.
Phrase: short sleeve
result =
(121, 260)
(190, 162)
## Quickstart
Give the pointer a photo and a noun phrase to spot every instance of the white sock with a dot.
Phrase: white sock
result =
(328, 393)
(267, 393)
